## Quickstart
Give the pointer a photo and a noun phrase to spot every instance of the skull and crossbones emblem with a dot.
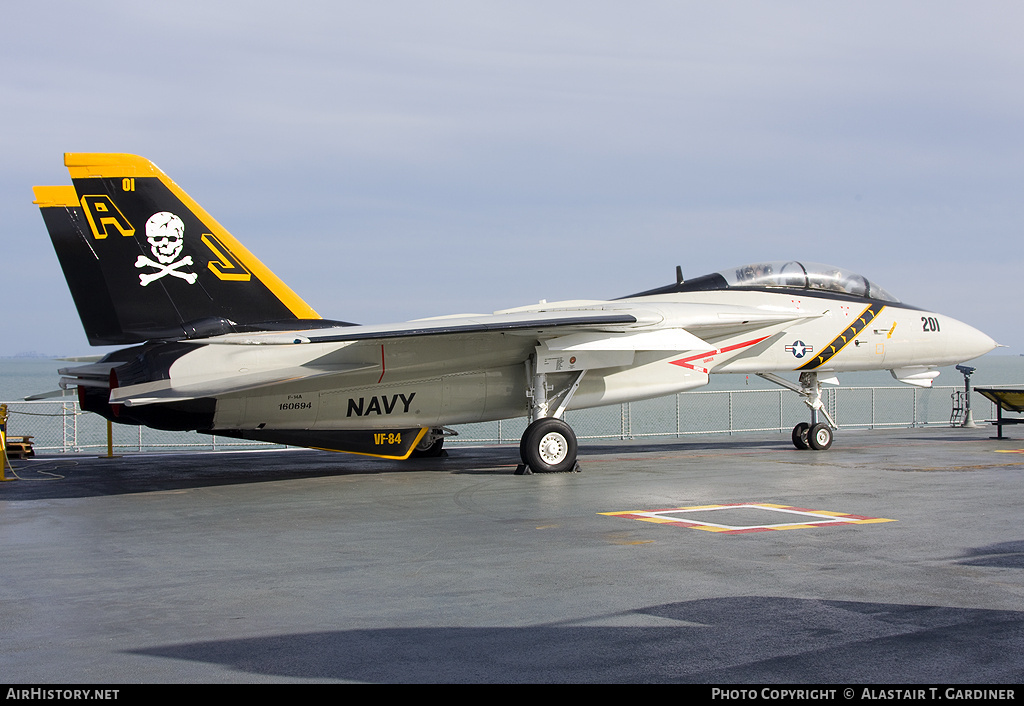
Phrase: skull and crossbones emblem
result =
(166, 233)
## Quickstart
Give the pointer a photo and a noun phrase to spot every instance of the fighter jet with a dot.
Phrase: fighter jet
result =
(218, 344)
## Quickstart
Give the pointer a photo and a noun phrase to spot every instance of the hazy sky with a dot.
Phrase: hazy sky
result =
(395, 160)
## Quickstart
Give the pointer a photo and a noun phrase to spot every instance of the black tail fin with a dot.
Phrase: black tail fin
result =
(144, 261)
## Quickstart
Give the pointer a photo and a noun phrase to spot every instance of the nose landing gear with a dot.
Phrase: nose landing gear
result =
(814, 435)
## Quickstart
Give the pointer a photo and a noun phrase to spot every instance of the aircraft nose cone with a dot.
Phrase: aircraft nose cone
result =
(970, 343)
(985, 342)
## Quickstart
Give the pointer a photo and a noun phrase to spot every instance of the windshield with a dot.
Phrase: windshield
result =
(805, 275)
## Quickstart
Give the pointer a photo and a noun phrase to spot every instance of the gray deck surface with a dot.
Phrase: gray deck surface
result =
(311, 566)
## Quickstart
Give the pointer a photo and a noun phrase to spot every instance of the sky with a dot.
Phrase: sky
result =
(397, 160)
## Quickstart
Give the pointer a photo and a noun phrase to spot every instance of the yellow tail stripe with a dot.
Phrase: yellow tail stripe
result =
(113, 165)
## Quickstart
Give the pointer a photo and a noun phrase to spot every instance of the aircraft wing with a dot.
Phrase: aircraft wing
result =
(691, 323)
(590, 329)
(294, 359)
(532, 322)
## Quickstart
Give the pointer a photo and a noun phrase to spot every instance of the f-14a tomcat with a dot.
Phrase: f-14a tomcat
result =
(220, 345)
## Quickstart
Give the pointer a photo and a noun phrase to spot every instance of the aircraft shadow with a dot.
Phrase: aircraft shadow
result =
(89, 476)
(749, 639)
(1003, 555)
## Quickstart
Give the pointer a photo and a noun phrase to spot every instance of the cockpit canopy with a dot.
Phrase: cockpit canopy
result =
(781, 274)
(804, 275)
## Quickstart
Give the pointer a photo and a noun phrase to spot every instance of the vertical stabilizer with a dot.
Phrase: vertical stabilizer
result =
(144, 261)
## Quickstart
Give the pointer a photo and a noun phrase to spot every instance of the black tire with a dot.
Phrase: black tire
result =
(549, 446)
(820, 437)
(427, 448)
(800, 436)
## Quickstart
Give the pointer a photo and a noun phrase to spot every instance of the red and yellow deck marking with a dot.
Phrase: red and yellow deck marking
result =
(821, 518)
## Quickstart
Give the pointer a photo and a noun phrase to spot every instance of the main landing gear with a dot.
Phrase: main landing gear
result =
(549, 443)
(814, 435)
(432, 443)
(548, 446)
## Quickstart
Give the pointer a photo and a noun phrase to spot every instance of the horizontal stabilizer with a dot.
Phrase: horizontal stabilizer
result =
(98, 371)
(50, 395)
(163, 391)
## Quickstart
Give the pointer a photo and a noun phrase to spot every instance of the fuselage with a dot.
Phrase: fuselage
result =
(436, 381)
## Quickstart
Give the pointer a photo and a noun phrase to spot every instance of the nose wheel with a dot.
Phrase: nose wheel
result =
(812, 436)
(819, 437)
(800, 436)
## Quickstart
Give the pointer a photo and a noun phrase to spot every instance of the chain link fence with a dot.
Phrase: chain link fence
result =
(60, 427)
(743, 411)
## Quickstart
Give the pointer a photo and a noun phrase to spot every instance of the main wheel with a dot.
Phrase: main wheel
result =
(428, 447)
(820, 437)
(800, 436)
(549, 446)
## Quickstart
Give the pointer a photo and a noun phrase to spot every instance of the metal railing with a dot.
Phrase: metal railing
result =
(61, 427)
(744, 411)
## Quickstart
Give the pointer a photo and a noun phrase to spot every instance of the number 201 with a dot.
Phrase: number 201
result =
(929, 323)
